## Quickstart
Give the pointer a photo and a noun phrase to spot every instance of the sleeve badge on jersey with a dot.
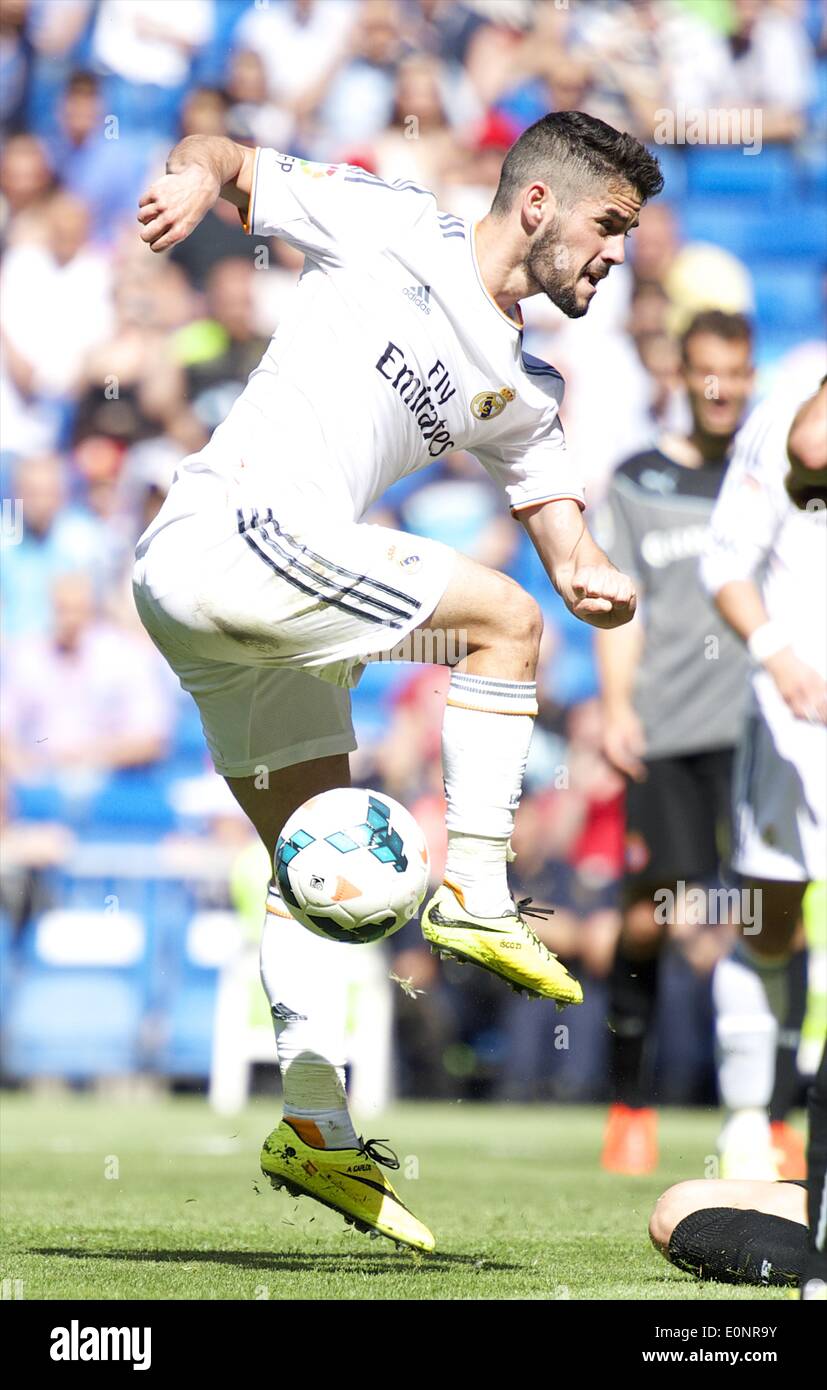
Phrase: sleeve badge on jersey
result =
(316, 171)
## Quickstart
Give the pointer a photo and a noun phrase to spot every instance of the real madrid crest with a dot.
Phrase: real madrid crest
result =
(487, 404)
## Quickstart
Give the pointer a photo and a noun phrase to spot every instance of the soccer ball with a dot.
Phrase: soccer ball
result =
(352, 865)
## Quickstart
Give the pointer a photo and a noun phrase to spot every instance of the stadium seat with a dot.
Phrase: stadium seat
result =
(714, 170)
(133, 802)
(813, 168)
(163, 904)
(186, 1050)
(210, 942)
(789, 296)
(750, 229)
(78, 1007)
(133, 797)
(78, 1028)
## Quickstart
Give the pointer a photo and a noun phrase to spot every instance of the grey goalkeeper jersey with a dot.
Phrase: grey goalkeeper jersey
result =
(692, 681)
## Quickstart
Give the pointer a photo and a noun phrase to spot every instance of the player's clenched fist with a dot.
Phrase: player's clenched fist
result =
(602, 596)
(174, 205)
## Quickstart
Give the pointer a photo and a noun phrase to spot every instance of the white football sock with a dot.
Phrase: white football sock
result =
(486, 732)
(749, 993)
(475, 867)
(306, 987)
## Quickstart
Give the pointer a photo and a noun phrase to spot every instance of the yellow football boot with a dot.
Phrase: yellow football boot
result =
(507, 946)
(348, 1181)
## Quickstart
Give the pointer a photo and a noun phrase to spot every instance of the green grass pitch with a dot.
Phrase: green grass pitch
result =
(164, 1200)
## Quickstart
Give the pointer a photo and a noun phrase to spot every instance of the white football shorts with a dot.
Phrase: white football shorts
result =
(268, 615)
(780, 793)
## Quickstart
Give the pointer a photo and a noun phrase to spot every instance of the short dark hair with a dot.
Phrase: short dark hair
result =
(733, 328)
(569, 146)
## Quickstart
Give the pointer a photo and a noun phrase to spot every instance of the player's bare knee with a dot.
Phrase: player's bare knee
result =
(521, 621)
(660, 1224)
(671, 1208)
(534, 624)
(510, 625)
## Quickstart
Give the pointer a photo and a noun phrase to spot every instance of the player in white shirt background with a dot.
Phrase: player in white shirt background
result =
(767, 569)
(266, 592)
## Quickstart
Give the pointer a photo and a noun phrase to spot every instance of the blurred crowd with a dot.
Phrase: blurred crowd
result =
(115, 364)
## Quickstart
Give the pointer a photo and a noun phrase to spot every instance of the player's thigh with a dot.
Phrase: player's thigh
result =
(703, 1194)
(269, 801)
(277, 736)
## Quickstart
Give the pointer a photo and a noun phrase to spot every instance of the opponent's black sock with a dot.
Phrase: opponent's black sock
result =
(739, 1247)
(787, 1077)
(633, 987)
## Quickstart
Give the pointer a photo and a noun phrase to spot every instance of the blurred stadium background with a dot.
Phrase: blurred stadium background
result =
(131, 888)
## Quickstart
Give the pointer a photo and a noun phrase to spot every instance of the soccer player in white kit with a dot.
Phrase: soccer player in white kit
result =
(266, 592)
(767, 569)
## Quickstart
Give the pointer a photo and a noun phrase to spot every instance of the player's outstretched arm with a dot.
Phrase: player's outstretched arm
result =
(200, 170)
(586, 580)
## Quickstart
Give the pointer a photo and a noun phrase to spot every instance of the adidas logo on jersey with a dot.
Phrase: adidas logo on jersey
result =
(420, 295)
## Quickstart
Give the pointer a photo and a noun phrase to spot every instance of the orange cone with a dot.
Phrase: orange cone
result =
(630, 1145)
(790, 1153)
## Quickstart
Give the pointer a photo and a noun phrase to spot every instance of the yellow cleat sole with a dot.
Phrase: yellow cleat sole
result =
(293, 1189)
(564, 992)
(458, 958)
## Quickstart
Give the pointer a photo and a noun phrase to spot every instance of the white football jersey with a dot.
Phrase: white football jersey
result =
(758, 533)
(391, 355)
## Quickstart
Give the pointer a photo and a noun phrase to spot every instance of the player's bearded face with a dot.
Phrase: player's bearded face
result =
(580, 244)
(551, 265)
